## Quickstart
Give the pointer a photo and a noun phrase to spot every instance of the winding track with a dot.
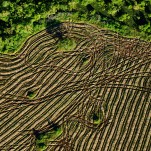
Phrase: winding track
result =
(68, 91)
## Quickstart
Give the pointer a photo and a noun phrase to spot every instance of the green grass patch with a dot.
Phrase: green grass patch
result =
(43, 139)
(103, 22)
(31, 94)
(85, 60)
(97, 117)
(18, 21)
(66, 44)
(41, 146)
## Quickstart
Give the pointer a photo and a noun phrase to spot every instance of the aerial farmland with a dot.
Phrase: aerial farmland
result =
(74, 85)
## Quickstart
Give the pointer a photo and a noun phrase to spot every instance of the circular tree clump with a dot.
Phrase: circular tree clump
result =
(66, 44)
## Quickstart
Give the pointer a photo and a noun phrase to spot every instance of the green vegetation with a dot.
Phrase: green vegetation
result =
(31, 94)
(43, 139)
(97, 117)
(66, 44)
(41, 146)
(20, 19)
(85, 60)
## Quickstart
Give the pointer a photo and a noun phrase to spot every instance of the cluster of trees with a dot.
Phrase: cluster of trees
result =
(19, 19)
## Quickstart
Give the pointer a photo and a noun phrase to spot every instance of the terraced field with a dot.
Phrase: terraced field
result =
(99, 93)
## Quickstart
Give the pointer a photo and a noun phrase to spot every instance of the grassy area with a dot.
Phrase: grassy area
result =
(19, 19)
(14, 43)
(97, 121)
(66, 44)
(104, 22)
(85, 60)
(97, 117)
(31, 94)
(43, 139)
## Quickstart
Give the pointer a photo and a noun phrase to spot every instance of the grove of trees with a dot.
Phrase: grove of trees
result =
(19, 19)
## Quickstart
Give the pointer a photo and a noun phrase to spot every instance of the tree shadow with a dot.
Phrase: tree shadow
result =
(54, 126)
(53, 27)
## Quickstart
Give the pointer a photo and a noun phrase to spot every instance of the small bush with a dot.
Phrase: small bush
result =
(66, 44)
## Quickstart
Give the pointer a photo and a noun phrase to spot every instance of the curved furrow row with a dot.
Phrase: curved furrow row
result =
(27, 123)
(139, 117)
(34, 121)
(116, 94)
(142, 137)
(51, 86)
(117, 124)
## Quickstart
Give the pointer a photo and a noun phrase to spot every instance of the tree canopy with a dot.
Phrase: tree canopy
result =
(20, 19)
